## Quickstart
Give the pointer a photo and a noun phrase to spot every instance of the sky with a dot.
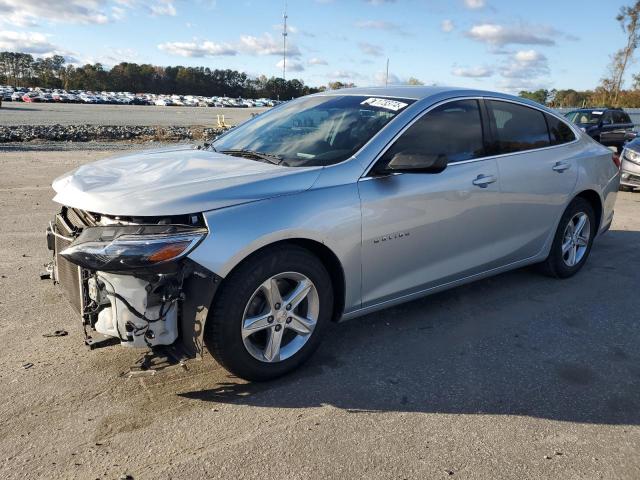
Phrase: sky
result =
(504, 45)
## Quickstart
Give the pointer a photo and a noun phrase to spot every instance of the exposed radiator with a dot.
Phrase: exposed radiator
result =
(67, 274)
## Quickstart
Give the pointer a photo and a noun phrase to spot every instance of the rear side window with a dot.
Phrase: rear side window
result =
(559, 131)
(621, 117)
(453, 129)
(518, 128)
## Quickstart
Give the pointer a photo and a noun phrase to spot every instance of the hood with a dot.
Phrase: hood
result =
(176, 181)
(633, 145)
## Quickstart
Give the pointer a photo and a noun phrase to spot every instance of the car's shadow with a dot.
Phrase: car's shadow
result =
(9, 107)
(516, 344)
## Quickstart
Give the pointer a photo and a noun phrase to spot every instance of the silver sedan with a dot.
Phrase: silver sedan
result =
(324, 208)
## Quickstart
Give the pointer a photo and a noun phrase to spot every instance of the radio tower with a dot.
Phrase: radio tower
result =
(284, 43)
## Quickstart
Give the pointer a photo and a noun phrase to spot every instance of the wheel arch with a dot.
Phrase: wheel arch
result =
(595, 201)
(328, 258)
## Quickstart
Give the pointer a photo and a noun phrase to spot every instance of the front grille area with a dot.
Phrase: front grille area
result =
(67, 274)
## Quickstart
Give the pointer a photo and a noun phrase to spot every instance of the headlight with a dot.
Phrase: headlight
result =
(117, 248)
(631, 155)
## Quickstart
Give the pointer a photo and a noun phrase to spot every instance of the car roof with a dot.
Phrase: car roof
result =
(596, 109)
(419, 93)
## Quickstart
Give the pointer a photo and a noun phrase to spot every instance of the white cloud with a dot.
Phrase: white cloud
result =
(118, 13)
(292, 66)
(265, 45)
(525, 64)
(317, 61)
(248, 44)
(29, 12)
(195, 49)
(499, 35)
(380, 78)
(371, 49)
(447, 26)
(27, 42)
(474, 4)
(113, 57)
(472, 72)
(344, 75)
(163, 8)
(529, 56)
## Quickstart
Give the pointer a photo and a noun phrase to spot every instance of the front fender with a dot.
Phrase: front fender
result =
(330, 216)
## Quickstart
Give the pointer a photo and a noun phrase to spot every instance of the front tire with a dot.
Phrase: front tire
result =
(573, 240)
(270, 314)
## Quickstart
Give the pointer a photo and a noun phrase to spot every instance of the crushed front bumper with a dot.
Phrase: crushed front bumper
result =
(138, 309)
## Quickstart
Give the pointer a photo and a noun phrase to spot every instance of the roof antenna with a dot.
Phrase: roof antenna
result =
(284, 43)
(386, 78)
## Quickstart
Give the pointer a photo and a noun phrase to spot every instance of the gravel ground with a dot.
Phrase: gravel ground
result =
(518, 376)
(18, 113)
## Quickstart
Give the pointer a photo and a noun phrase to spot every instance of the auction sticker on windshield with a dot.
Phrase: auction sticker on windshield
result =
(393, 105)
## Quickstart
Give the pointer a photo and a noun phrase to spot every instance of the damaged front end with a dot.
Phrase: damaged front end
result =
(130, 279)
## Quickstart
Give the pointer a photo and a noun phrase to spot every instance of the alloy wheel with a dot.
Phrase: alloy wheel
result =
(280, 317)
(575, 240)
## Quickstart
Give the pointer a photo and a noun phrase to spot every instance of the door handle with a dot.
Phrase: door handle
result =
(561, 167)
(483, 180)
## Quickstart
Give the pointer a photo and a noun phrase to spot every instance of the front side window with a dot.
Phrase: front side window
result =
(559, 131)
(517, 128)
(582, 117)
(312, 131)
(453, 129)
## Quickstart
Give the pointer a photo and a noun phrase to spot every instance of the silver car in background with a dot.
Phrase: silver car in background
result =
(630, 167)
(327, 207)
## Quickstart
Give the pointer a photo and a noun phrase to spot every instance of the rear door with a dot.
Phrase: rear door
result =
(623, 124)
(537, 174)
(609, 132)
(420, 230)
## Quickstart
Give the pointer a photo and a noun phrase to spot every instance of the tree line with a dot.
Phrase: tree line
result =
(599, 97)
(23, 70)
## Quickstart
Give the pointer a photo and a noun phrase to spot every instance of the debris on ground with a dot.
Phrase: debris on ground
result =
(87, 133)
(57, 333)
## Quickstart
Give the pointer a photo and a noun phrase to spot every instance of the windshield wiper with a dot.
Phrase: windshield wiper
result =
(266, 157)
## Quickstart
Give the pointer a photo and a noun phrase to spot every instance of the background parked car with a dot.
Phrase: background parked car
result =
(10, 93)
(612, 127)
(630, 167)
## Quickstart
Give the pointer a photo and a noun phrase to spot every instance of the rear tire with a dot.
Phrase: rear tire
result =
(257, 311)
(573, 240)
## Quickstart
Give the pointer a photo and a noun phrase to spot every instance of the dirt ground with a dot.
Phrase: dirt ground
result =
(519, 376)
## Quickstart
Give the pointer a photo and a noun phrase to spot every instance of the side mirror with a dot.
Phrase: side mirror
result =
(414, 162)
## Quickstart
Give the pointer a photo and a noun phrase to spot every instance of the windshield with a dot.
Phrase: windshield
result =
(313, 131)
(590, 117)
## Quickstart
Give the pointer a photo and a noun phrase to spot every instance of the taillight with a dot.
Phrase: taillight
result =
(616, 160)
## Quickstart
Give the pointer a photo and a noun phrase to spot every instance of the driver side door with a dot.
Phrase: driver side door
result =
(422, 230)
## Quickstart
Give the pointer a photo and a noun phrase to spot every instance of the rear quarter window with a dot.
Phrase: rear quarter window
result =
(559, 131)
